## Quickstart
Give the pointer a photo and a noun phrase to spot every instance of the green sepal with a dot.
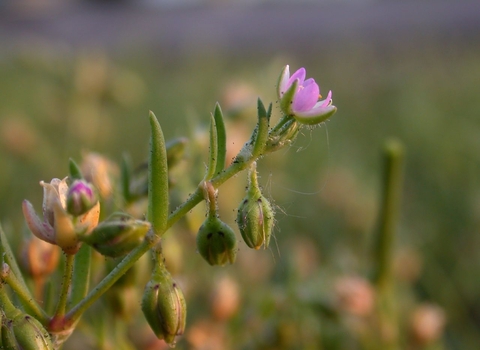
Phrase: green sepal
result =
(74, 171)
(287, 98)
(315, 120)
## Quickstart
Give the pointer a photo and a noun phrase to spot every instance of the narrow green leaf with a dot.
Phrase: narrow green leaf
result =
(262, 129)
(9, 258)
(213, 156)
(81, 274)
(221, 139)
(74, 170)
(157, 179)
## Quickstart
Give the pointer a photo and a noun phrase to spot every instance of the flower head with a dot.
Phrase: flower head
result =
(58, 226)
(300, 98)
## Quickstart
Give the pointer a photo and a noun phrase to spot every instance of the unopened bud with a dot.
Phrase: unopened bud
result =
(117, 236)
(255, 215)
(81, 197)
(163, 305)
(24, 332)
(216, 242)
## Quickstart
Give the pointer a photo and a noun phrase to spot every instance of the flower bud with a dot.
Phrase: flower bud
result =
(24, 332)
(283, 134)
(255, 221)
(255, 215)
(58, 226)
(81, 197)
(163, 305)
(117, 235)
(216, 242)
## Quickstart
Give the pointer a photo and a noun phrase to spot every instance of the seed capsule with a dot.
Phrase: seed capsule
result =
(163, 305)
(255, 215)
(24, 332)
(216, 242)
(255, 221)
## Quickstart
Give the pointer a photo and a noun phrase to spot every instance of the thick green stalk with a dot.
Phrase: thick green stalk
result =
(6, 305)
(392, 188)
(24, 295)
(9, 258)
(383, 254)
(66, 283)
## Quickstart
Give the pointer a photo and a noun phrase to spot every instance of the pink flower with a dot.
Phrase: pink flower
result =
(300, 98)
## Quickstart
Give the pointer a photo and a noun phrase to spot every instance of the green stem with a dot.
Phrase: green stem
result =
(197, 196)
(211, 199)
(9, 258)
(74, 314)
(6, 305)
(24, 295)
(66, 283)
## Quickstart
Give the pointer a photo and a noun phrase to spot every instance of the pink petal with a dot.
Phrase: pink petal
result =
(328, 100)
(306, 97)
(300, 75)
(40, 229)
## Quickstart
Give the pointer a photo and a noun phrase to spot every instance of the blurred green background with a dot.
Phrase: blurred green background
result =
(82, 78)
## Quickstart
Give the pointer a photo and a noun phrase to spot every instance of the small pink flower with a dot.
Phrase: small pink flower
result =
(300, 98)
